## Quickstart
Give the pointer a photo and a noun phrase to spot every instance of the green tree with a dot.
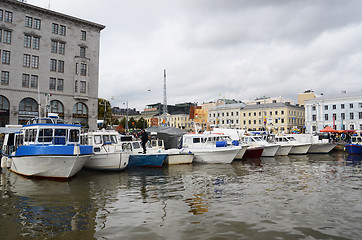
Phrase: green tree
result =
(141, 123)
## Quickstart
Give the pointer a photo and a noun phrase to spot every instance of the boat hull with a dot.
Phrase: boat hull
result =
(253, 152)
(216, 155)
(354, 149)
(146, 160)
(179, 158)
(55, 166)
(242, 151)
(270, 150)
(108, 161)
(300, 148)
(284, 150)
(321, 147)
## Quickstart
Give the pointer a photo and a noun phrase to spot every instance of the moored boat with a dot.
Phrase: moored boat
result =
(355, 147)
(108, 151)
(46, 147)
(210, 148)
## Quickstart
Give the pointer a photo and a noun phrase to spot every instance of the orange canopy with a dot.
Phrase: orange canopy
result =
(328, 129)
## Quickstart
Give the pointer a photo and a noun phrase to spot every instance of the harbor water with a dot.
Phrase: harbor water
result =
(315, 196)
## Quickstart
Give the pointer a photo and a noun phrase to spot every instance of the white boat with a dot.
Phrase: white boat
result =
(210, 148)
(174, 155)
(319, 143)
(285, 146)
(270, 149)
(108, 151)
(234, 135)
(298, 147)
(46, 147)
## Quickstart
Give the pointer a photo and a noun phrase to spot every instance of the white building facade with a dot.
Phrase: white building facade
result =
(49, 63)
(226, 116)
(341, 112)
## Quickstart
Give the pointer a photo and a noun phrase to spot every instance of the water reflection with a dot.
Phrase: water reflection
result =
(286, 197)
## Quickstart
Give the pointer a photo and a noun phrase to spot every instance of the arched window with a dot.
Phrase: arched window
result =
(80, 114)
(57, 107)
(28, 109)
(4, 111)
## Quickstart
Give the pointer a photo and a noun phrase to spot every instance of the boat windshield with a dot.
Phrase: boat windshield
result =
(291, 139)
(97, 139)
(114, 139)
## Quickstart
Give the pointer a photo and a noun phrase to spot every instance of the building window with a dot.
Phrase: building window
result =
(351, 115)
(60, 84)
(62, 30)
(55, 28)
(8, 17)
(1, 35)
(76, 86)
(61, 48)
(37, 23)
(360, 115)
(34, 81)
(28, 22)
(83, 69)
(76, 70)
(4, 78)
(326, 117)
(82, 87)
(326, 107)
(27, 41)
(313, 108)
(6, 57)
(342, 106)
(334, 106)
(334, 116)
(35, 62)
(61, 66)
(83, 35)
(1, 15)
(360, 105)
(314, 117)
(282, 120)
(26, 80)
(36, 41)
(282, 112)
(26, 60)
(52, 82)
(82, 52)
(351, 105)
(53, 65)
(54, 47)
(7, 37)
(343, 116)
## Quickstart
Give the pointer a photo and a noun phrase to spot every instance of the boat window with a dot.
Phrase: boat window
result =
(291, 139)
(45, 135)
(127, 146)
(196, 140)
(74, 135)
(136, 145)
(106, 139)
(160, 143)
(154, 143)
(97, 139)
(60, 136)
(114, 139)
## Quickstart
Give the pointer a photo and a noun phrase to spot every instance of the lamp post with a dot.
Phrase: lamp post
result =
(127, 130)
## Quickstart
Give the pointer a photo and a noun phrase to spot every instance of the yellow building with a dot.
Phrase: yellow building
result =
(280, 117)
(308, 94)
(181, 121)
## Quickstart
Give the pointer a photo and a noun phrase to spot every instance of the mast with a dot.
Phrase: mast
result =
(164, 93)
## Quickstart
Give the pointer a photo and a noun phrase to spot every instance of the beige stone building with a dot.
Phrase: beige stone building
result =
(306, 95)
(281, 117)
(49, 63)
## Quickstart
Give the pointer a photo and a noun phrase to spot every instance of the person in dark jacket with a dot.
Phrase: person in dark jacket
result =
(144, 139)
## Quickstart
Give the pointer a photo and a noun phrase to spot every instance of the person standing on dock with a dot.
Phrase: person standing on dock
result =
(144, 139)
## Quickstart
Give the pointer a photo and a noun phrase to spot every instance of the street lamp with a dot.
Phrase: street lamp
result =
(127, 130)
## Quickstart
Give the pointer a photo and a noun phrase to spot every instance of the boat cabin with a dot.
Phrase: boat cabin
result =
(356, 140)
(200, 140)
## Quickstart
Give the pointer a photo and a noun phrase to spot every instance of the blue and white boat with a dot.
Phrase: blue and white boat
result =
(139, 159)
(46, 147)
(355, 147)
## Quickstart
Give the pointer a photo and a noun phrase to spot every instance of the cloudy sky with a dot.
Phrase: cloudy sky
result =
(237, 49)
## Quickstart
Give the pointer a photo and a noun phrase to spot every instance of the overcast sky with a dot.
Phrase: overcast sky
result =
(237, 49)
